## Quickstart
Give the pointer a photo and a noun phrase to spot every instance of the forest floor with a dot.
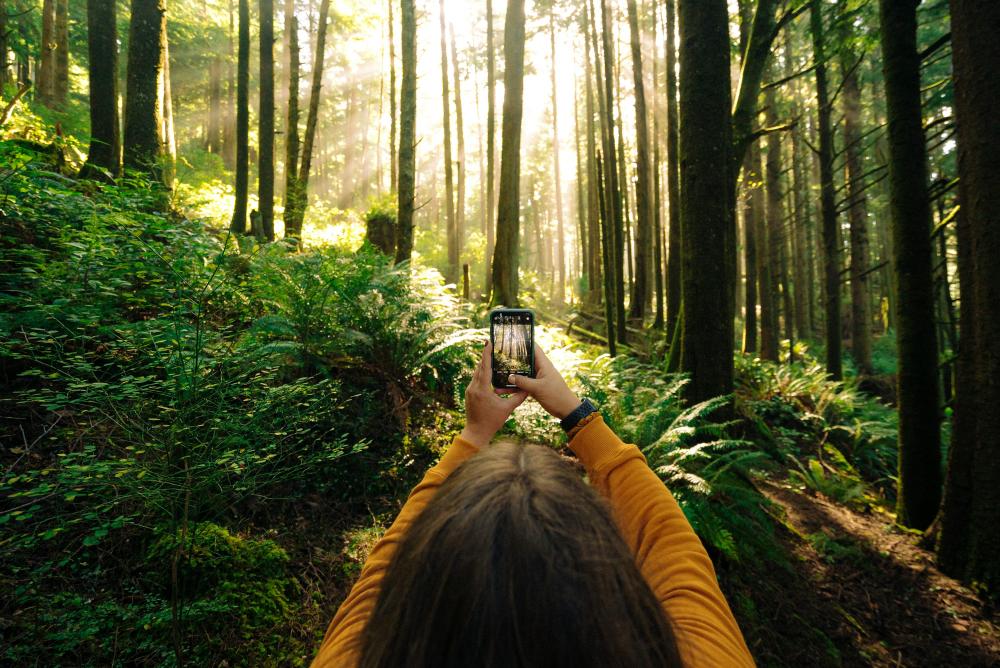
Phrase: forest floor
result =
(867, 586)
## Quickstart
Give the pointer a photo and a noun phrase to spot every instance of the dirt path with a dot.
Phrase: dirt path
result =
(878, 595)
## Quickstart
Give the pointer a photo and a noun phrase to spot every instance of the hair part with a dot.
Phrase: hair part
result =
(516, 562)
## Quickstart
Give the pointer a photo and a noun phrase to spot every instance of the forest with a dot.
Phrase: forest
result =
(248, 252)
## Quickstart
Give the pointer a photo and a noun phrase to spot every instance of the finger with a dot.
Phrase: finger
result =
(484, 366)
(522, 382)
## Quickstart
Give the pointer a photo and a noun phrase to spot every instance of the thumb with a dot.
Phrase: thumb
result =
(522, 382)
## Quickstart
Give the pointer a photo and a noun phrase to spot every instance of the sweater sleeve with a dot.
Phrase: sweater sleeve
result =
(342, 643)
(670, 556)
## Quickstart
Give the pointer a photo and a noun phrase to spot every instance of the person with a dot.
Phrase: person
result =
(503, 556)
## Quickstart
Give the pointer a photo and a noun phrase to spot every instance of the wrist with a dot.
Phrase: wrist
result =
(565, 405)
(476, 436)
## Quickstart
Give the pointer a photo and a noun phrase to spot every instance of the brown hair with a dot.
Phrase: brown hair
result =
(516, 562)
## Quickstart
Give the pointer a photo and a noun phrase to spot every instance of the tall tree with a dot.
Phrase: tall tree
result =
(560, 232)
(292, 123)
(102, 49)
(459, 147)
(60, 79)
(707, 229)
(770, 238)
(451, 275)
(312, 119)
(594, 207)
(611, 176)
(505, 257)
(265, 165)
(919, 419)
(393, 172)
(970, 515)
(407, 130)
(674, 263)
(831, 244)
(861, 329)
(491, 131)
(642, 284)
(45, 78)
(167, 136)
(239, 222)
(143, 114)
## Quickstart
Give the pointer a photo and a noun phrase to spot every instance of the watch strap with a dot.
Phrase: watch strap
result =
(579, 413)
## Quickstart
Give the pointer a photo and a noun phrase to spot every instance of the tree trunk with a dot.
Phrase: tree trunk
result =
(265, 166)
(45, 78)
(594, 207)
(560, 232)
(393, 172)
(607, 255)
(102, 45)
(642, 286)
(229, 125)
(292, 124)
(143, 114)
(709, 272)
(919, 419)
(451, 275)
(239, 222)
(751, 197)
(491, 130)
(660, 314)
(60, 80)
(407, 131)
(674, 262)
(970, 515)
(460, 146)
(167, 136)
(305, 165)
(4, 47)
(861, 329)
(582, 210)
(614, 194)
(505, 258)
(831, 246)
(213, 140)
(770, 258)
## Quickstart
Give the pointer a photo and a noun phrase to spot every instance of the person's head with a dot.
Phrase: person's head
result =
(516, 562)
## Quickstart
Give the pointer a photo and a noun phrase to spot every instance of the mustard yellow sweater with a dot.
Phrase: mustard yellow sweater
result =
(669, 554)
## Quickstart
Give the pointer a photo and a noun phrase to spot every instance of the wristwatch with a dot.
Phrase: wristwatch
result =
(583, 410)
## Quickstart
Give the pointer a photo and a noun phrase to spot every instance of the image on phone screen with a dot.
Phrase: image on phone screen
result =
(512, 343)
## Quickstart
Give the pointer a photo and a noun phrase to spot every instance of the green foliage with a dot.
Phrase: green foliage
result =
(827, 480)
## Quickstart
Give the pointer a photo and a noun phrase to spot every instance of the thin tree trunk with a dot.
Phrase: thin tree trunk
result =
(305, 164)
(265, 165)
(239, 222)
(641, 287)
(491, 82)
(213, 140)
(706, 212)
(614, 193)
(143, 114)
(451, 275)
(919, 418)
(229, 126)
(607, 254)
(831, 246)
(771, 240)
(560, 232)
(861, 330)
(505, 259)
(594, 208)
(752, 209)
(460, 146)
(407, 130)
(674, 263)
(45, 76)
(102, 43)
(393, 172)
(583, 231)
(167, 137)
(292, 124)
(659, 317)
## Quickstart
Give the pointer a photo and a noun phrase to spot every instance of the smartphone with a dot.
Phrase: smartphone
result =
(512, 333)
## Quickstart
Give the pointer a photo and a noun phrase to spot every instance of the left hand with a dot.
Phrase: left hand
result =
(485, 410)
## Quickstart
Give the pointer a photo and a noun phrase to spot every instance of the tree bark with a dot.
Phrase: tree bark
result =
(213, 138)
(505, 258)
(167, 136)
(143, 114)
(393, 171)
(594, 207)
(919, 419)
(407, 130)
(45, 77)
(659, 317)
(751, 197)
(674, 262)
(607, 255)
(614, 194)
(970, 514)
(831, 245)
(460, 147)
(771, 239)
(451, 275)
(266, 129)
(560, 232)
(709, 272)
(642, 285)
(292, 124)
(305, 164)
(491, 130)
(60, 80)
(861, 329)
(239, 222)
(102, 47)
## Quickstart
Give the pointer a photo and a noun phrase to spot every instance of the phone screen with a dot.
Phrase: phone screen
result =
(512, 332)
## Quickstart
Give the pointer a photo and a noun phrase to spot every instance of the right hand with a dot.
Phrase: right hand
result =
(547, 387)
